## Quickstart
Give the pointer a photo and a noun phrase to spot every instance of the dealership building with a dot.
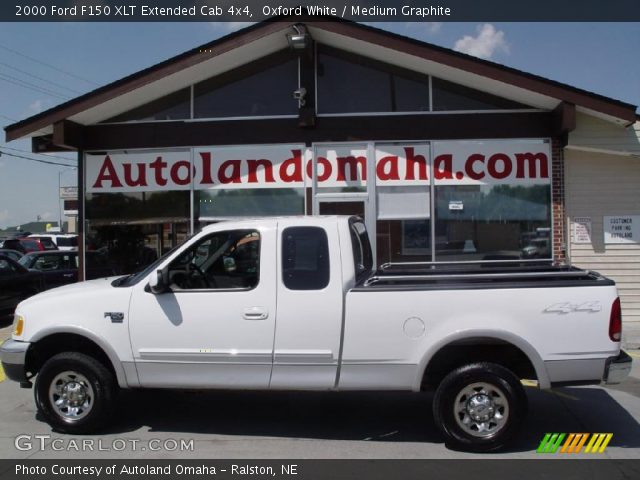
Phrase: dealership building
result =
(447, 157)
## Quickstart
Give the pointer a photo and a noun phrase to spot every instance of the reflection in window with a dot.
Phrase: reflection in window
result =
(351, 84)
(403, 240)
(263, 91)
(502, 222)
(119, 207)
(250, 202)
(6, 267)
(449, 96)
(133, 229)
(176, 106)
(402, 202)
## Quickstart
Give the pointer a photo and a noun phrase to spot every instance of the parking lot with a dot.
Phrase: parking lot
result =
(194, 424)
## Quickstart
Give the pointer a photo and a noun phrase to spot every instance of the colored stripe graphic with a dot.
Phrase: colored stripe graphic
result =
(598, 442)
(574, 442)
(550, 443)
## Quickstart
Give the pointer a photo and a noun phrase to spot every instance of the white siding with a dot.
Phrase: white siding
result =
(595, 134)
(599, 184)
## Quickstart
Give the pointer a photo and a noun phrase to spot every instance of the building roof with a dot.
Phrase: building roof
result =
(266, 37)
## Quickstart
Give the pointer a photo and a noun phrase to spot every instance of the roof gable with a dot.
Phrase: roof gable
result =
(267, 37)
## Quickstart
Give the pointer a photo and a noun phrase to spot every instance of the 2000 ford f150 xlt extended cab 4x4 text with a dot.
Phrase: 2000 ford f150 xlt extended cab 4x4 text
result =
(294, 303)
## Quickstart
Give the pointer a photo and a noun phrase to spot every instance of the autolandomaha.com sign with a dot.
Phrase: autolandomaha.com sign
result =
(292, 166)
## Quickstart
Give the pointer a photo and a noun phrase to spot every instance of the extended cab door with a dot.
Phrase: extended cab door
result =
(307, 340)
(215, 326)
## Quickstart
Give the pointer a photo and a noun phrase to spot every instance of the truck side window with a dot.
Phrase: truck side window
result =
(223, 260)
(305, 258)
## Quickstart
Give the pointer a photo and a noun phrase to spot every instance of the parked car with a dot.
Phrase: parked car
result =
(295, 303)
(24, 245)
(18, 234)
(12, 254)
(16, 284)
(60, 240)
(61, 267)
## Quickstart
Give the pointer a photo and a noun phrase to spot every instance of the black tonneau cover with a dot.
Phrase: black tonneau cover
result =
(470, 276)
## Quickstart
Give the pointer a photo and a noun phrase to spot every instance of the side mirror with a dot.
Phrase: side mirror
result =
(159, 283)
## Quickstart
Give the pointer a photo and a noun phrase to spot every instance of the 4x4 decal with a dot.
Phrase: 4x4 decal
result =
(568, 307)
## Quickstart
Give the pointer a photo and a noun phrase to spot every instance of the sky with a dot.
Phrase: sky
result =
(44, 64)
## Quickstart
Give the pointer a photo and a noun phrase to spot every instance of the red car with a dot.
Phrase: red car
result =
(26, 245)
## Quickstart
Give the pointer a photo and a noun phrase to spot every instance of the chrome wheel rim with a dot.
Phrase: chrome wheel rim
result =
(71, 396)
(481, 409)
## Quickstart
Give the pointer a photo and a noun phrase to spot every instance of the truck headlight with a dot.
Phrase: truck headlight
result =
(18, 325)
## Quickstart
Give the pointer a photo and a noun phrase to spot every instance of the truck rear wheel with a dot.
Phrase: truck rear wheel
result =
(479, 407)
(75, 392)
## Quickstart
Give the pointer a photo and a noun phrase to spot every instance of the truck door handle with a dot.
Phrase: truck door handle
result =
(255, 313)
(68, 275)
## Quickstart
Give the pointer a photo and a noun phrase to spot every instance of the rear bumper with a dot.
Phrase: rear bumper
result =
(13, 355)
(617, 368)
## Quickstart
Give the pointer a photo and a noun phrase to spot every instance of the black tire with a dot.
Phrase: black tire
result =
(479, 407)
(86, 392)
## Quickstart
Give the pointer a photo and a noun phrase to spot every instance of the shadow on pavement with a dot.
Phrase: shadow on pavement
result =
(577, 410)
(388, 416)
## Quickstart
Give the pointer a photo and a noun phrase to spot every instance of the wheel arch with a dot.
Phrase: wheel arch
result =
(471, 339)
(50, 342)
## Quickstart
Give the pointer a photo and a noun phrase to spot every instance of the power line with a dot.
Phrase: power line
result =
(40, 78)
(45, 89)
(48, 65)
(36, 159)
(8, 118)
(36, 153)
(30, 86)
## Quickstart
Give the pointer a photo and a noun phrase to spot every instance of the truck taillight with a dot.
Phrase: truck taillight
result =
(615, 321)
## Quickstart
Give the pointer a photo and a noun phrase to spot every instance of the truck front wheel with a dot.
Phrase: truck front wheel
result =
(75, 392)
(479, 407)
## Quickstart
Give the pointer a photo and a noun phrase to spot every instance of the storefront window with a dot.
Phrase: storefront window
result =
(449, 96)
(403, 240)
(176, 106)
(215, 204)
(352, 84)
(264, 88)
(499, 222)
(341, 168)
(403, 203)
(133, 229)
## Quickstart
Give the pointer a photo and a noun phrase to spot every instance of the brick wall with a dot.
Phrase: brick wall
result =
(557, 195)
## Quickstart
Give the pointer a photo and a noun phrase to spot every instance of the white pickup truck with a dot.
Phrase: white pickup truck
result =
(294, 303)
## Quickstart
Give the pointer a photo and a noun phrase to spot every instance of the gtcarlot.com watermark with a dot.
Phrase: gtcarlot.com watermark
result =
(41, 443)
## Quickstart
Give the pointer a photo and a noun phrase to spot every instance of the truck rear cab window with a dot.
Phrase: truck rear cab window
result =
(362, 257)
(305, 258)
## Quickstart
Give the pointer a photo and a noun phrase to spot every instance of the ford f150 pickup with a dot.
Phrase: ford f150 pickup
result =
(295, 303)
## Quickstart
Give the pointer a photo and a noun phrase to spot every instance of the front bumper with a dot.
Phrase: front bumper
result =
(13, 355)
(617, 368)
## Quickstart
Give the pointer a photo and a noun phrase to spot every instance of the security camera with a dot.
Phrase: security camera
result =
(299, 95)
